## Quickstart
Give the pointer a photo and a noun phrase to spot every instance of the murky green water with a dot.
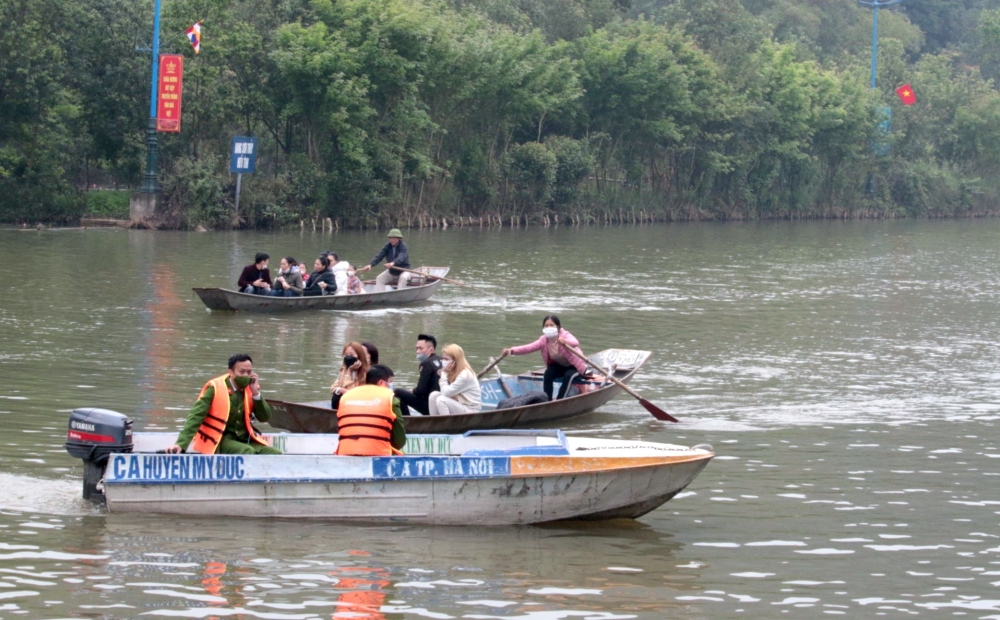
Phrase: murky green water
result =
(846, 373)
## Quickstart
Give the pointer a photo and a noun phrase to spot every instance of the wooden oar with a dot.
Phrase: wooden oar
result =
(493, 363)
(496, 298)
(503, 386)
(427, 275)
(658, 413)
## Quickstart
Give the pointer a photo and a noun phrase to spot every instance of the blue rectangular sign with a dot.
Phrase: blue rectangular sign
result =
(243, 155)
(439, 467)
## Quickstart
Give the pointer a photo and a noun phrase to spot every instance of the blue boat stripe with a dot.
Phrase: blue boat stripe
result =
(208, 469)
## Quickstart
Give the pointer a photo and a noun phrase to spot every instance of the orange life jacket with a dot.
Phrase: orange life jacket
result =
(206, 440)
(364, 421)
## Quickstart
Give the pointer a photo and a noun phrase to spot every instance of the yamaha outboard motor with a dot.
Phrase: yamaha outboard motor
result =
(94, 435)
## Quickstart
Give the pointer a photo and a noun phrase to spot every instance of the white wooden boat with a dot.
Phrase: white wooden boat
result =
(477, 478)
(420, 288)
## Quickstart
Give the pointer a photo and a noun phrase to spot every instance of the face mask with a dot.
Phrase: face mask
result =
(242, 382)
(350, 274)
(550, 332)
(390, 385)
(422, 357)
(349, 360)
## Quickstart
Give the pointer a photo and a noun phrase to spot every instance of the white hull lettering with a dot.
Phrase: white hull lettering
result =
(177, 468)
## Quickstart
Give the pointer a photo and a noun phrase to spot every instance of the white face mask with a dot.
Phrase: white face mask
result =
(350, 274)
(550, 332)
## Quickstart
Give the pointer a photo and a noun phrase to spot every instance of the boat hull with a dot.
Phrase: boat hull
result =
(623, 492)
(318, 417)
(225, 299)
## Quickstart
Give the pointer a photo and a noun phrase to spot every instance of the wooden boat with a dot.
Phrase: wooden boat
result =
(318, 417)
(480, 477)
(420, 288)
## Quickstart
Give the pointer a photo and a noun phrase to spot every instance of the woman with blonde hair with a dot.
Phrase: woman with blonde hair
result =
(460, 391)
(352, 371)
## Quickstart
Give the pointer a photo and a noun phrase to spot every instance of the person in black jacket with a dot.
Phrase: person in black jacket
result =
(430, 365)
(256, 278)
(321, 281)
(395, 255)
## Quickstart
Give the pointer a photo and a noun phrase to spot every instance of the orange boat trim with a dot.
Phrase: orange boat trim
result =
(541, 465)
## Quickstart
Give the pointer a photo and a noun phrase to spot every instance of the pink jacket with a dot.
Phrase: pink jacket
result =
(541, 345)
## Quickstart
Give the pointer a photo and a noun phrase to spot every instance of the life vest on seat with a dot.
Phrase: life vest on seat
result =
(209, 435)
(364, 421)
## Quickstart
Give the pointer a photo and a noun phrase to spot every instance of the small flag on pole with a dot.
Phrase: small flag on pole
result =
(905, 93)
(194, 36)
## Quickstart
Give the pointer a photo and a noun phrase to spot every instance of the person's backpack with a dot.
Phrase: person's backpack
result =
(528, 398)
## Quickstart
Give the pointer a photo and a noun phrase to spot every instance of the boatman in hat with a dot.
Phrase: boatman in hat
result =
(221, 420)
(395, 255)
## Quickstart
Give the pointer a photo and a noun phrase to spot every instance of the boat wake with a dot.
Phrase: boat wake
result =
(53, 496)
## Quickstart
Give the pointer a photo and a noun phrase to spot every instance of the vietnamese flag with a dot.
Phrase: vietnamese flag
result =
(905, 93)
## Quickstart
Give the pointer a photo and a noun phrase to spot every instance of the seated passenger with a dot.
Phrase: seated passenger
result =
(339, 270)
(352, 373)
(354, 284)
(430, 364)
(460, 391)
(372, 352)
(256, 278)
(369, 421)
(221, 420)
(289, 280)
(320, 280)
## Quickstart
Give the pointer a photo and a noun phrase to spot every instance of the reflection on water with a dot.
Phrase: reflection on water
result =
(846, 373)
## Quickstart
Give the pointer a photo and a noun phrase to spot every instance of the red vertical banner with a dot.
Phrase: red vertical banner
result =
(171, 81)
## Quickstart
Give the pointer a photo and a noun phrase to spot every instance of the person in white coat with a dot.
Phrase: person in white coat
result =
(460, 391)
(339, 269)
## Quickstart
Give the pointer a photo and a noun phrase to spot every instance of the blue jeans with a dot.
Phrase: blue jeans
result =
(277, 292)
(256, 290)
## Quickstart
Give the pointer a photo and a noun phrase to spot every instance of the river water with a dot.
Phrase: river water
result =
(847, 374)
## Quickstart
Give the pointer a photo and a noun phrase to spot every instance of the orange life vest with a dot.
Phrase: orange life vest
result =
(206, 440)
(364, 421)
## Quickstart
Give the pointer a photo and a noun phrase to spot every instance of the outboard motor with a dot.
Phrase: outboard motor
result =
(94, 435)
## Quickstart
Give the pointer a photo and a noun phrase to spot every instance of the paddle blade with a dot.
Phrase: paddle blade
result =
(658, 413)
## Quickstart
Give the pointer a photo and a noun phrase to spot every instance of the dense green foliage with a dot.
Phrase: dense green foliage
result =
(407, 111)
(107, 204)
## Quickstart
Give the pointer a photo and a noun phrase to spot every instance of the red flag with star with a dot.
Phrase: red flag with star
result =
(905, 93)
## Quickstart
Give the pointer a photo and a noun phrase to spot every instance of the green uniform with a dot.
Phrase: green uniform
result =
(235, 439)
(398, 438)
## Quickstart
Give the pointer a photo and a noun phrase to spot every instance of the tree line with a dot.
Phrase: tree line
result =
(404, 112)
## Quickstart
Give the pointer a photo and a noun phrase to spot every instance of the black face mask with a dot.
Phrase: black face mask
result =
(349, 360)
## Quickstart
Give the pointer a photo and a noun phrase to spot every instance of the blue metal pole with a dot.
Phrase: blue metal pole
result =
(156, 59)
(875, 4)
(874, 41)
(150, 184)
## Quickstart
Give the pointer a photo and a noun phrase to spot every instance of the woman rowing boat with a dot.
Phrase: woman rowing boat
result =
(560, 363)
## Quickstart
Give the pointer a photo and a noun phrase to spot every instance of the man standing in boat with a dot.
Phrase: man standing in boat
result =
(221, 420)
(395, 255)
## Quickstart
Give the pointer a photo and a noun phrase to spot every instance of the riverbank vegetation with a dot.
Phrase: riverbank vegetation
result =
(410, 112)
